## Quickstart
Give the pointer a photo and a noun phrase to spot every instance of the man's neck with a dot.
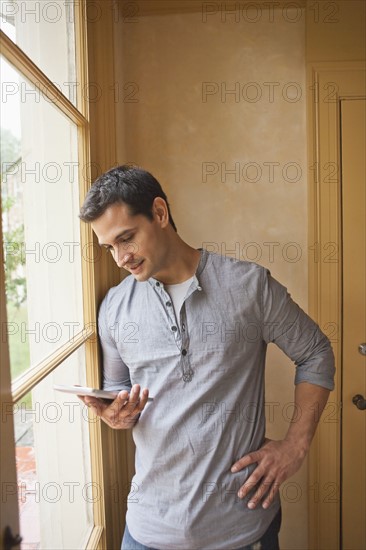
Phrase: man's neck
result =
(183, 261)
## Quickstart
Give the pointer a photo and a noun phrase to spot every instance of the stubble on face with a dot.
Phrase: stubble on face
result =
(136, 243)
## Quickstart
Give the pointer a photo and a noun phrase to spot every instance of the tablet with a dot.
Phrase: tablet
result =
(92, 392)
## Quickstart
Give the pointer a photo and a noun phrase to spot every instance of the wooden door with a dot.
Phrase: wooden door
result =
(353, 190)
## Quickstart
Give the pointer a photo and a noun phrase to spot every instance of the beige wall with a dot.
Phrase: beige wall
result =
(172, 132)
(186, 139)
(336, 32)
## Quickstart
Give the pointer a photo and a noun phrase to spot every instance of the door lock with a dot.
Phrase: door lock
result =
(359, 401)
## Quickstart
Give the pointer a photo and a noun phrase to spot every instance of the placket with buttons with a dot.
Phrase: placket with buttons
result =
(181, 335)
(186, 365)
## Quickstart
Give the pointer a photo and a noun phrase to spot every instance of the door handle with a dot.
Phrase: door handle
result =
(359, 401)
(362, 348)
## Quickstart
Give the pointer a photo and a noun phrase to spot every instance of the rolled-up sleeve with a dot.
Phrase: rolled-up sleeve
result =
(296, 334)
(116, 375)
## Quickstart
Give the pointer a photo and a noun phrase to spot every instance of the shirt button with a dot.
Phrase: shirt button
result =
(168, 304)
(157, 283)
(174, 328)
(184, 352)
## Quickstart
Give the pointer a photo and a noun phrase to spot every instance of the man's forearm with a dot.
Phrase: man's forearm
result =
(310, 401)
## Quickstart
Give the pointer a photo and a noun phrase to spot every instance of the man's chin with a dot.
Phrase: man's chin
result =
(138, 270)
(141, 275)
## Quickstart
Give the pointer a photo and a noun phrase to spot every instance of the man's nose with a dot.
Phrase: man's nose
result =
(122, 258)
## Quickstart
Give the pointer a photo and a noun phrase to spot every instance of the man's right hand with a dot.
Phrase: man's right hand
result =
(124, 411)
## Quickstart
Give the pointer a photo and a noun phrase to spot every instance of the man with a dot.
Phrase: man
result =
(191, 328)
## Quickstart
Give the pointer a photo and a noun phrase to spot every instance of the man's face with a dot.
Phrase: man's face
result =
(136, 243)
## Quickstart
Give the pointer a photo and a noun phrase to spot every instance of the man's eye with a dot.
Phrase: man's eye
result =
(123, 241)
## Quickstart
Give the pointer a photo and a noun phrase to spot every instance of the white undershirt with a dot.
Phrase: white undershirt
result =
(177, 294)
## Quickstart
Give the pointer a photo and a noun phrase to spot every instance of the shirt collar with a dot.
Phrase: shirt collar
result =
(201, 265)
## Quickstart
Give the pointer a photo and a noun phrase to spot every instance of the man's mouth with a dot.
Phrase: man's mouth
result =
(134, 267)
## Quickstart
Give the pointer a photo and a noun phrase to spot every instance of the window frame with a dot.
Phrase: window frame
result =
(23, 384)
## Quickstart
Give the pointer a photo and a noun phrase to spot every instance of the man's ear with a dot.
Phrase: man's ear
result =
(160, 212)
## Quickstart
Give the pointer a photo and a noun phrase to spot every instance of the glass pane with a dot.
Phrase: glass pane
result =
(55, 491)
(45, 31)
(40, 203)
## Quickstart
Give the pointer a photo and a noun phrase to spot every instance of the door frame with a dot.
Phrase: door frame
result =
(327, 84)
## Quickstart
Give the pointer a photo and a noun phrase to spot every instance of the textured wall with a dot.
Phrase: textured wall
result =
(177, 119)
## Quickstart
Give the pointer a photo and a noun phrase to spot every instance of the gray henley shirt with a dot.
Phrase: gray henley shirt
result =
(206, 374)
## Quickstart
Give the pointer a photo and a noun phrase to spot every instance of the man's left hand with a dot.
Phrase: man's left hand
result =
(276, 462)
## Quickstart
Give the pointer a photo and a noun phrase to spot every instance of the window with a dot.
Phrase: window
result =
(49, 329)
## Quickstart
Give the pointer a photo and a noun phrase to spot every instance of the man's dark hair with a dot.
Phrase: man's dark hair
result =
(124, 184)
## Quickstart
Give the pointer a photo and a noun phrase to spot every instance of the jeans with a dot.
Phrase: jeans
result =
(269, 540)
